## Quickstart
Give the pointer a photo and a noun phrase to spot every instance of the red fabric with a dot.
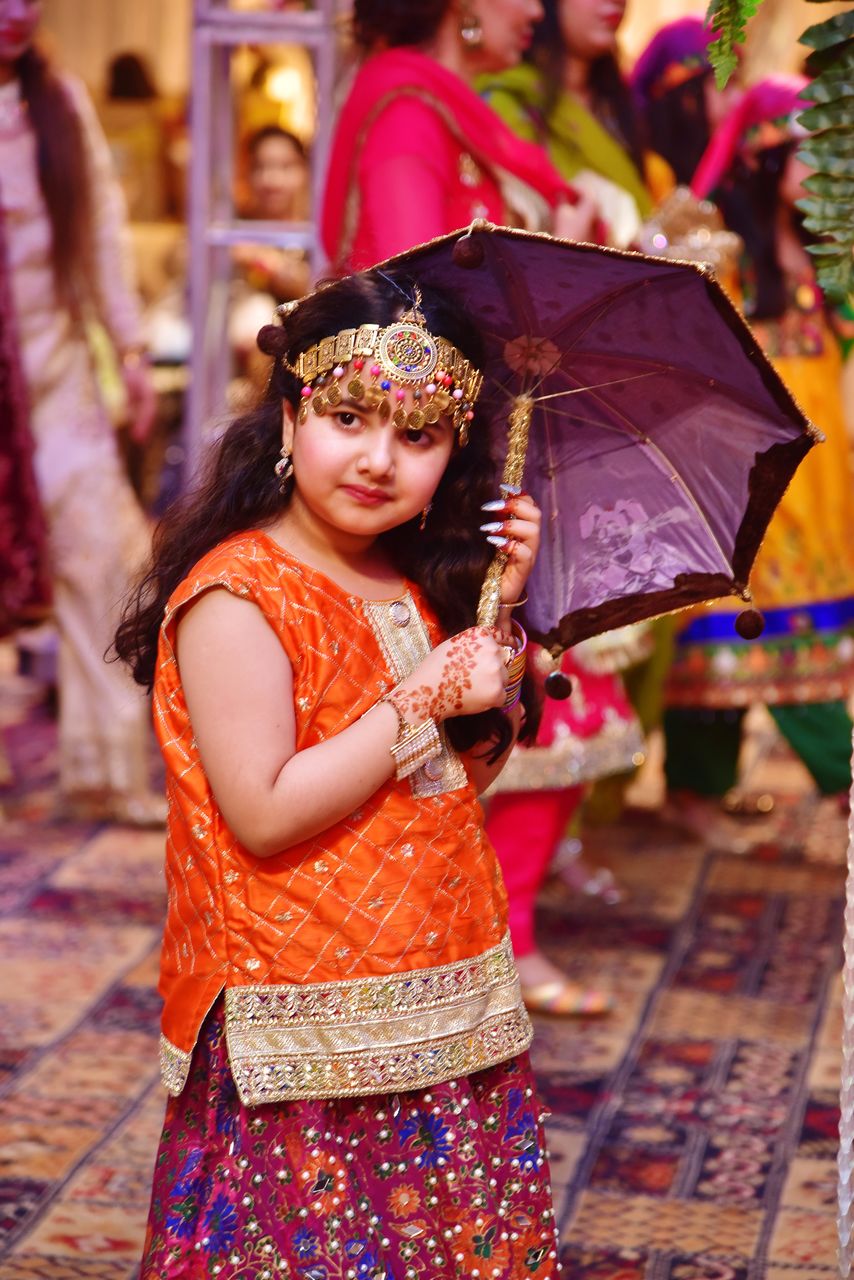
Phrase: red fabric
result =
(598, 696)
(454, 1179)
(395, 176)
(24, 581)
(525, 828)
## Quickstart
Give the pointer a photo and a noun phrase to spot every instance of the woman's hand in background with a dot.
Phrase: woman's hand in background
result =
(141, 396)
(577, 221)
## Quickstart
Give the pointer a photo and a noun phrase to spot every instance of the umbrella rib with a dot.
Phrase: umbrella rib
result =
(606, 302)
(595, 386)
(725, 388)
(674, 476)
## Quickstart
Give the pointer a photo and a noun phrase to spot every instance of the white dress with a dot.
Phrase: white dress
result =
(98, 534)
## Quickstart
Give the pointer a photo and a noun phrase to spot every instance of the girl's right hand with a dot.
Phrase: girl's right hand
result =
(462, 676)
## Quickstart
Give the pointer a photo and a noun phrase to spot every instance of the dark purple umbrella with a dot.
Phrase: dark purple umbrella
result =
(660, 439)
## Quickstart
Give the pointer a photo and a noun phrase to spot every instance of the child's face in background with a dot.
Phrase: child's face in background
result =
(362, 475)
(277, 178)
(19, 20)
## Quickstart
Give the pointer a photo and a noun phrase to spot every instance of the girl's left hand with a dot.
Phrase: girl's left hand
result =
(513, 525)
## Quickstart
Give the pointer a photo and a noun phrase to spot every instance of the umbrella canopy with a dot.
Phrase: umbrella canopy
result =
(660, 439)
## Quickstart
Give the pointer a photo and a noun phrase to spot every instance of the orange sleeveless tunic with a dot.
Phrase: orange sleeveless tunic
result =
(373, 957)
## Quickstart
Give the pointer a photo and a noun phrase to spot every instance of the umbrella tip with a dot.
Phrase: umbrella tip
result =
(750, 624)
(468, 252)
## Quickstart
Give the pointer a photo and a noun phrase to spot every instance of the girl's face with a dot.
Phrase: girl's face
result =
(508, 29)
(277, 177)
(19, 20)
(361, 475)
(589, 27)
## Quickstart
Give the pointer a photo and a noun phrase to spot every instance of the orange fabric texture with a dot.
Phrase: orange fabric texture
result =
(404, 883)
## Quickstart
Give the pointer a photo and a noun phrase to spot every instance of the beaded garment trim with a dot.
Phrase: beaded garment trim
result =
(405, 354)
(375, 1035)
(402, 636)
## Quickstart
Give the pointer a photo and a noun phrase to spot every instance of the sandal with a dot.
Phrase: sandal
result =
(569, 866)
(564, 999)
(742, 804)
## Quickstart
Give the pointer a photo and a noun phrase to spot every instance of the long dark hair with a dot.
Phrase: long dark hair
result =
(390, 24)
(749, 198)
(64, 178)
(238, 491)
(611, 96)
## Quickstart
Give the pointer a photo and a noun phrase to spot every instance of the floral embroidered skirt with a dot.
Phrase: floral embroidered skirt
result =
(438, 1184)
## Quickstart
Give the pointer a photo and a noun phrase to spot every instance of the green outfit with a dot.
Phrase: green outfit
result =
(703, 745)
(572, 136)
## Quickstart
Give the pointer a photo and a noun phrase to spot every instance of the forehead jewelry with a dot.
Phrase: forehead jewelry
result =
(385, 363)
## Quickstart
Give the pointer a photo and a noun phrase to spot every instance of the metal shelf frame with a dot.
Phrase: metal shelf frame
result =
(213, 226)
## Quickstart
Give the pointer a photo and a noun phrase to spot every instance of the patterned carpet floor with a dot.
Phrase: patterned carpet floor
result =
(692, 1133)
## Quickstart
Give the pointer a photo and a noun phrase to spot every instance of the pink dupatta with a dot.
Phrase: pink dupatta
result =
(383, 80)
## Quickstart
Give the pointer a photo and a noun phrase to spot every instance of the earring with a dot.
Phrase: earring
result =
(422, 523)
(284, 470)
(471, 32)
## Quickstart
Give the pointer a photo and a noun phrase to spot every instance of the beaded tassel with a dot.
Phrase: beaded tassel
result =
(845, 1158)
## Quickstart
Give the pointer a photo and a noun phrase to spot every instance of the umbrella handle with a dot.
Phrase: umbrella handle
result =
(514, 468)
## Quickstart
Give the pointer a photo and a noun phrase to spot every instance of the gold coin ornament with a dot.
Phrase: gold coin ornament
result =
(404, 354)
(407, 353)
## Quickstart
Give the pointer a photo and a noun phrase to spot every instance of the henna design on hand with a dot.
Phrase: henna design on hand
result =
(447, 697)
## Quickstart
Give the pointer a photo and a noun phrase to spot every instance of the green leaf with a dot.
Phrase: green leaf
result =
(830, 187)
(828, 87)
(830, 32)
(828, 251)
(817, 64)
(832, 212)
(828, 116)
(826, 150)
(728, 19)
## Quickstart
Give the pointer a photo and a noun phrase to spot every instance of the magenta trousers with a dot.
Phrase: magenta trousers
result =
(525, 828)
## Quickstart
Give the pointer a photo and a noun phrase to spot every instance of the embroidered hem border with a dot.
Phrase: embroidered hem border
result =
(375, 1035)
(778, 673)
(567, 762)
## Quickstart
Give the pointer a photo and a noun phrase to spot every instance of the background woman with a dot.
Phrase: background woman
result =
(570, 96)
(674, 91)
(417, 153)
(803, 579)
(66, 265)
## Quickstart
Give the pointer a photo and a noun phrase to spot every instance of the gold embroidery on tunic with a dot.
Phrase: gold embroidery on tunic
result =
(404, 647)
(375, 1035)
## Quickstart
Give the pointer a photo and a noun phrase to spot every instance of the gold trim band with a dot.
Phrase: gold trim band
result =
(375, 1035)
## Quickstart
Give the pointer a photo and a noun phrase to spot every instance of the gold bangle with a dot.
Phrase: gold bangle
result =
(517, 604)
(416, 744)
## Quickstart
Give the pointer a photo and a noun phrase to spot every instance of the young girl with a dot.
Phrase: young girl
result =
(343, 1033)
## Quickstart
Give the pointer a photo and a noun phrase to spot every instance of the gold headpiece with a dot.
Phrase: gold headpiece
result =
(403, 354)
